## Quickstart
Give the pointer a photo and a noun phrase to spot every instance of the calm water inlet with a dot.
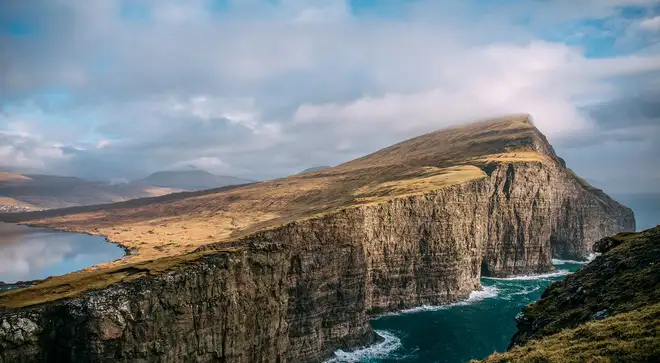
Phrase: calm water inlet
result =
(29, 253)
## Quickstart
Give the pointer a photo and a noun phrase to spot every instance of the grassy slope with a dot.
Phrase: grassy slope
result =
(624, 283)
(15, 202)
(626, 338)
(171, 226)
(160, 228)
(6, 177)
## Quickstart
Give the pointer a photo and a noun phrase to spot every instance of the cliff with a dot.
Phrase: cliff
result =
(290, 270)
(608, 311)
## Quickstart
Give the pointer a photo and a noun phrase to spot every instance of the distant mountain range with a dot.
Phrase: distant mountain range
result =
(191, 180)
(20, 192)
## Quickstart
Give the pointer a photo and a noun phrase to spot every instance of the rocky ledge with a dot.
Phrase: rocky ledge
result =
(608, 311)
(298, 291)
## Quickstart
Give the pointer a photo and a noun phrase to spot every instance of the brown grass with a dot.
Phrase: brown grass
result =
(15, 202)
(428, 162)
(627, 337)
(6, 176)
(169, 226)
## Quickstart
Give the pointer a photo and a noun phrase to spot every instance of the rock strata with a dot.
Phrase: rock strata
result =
(297, 292)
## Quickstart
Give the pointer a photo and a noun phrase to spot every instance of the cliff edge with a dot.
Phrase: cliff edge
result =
(608, 311)
(290, 270)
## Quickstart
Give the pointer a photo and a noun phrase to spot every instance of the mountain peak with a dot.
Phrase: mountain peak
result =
(190, 179)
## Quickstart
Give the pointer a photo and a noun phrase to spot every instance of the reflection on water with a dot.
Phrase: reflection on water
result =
(28, 253)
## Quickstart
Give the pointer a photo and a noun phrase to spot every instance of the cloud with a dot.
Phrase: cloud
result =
(262, 90)
(27, 153)
(651, 24)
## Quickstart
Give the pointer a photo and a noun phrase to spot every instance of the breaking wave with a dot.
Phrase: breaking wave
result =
(380, 350)
(531, 277)
(590, 257)
(486, 292)
(525, 291)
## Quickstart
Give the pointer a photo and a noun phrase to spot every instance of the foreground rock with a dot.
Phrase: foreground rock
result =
(608, 311)
(308, 259)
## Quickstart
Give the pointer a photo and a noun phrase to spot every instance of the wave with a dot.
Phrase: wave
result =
(556, 261)
(486, 292)
(380, 350)
(525, 291)
(590, 257)
(530, 277)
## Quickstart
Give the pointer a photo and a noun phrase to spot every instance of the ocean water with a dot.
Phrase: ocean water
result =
(480, 325)
(471, 329)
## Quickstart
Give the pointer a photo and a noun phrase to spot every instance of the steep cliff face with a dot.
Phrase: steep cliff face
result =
(229, 307)
(538, 211)
(313, 290)
(297, 292)
(608, 311)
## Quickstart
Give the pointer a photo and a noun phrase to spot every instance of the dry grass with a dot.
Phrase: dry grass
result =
(158, 191)
(443, 158)
(177, 224)
(15, 202)
(425, 179)
(627, 337)
(6, 176)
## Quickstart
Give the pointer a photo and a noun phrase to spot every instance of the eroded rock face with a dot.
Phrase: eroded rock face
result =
(301, 291)
(625, 278)
(226, 307)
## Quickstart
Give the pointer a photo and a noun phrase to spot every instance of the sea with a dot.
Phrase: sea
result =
(470, 329)
(482, 324)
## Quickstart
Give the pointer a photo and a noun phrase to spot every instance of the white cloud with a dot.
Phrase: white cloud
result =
(651, 24)
(272, 89)
(543, 79)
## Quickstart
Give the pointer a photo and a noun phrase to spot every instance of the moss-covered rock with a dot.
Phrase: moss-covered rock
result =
(608, 311)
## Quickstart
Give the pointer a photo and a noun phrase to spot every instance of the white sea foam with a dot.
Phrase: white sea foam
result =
(380, 350)
(525, 291)
(531, 277)
(556, 261)
(590, 257)
(485, 293)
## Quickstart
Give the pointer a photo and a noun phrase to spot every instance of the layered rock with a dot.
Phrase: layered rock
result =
(229, 307)
(297, 292)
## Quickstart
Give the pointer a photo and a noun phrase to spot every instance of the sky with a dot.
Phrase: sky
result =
(117, 89)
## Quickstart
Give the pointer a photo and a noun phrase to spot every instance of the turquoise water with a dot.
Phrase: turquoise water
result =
(480, 325)
(471, 329)
(28, 253)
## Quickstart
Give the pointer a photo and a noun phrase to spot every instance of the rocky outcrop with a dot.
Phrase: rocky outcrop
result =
(298, 292)
(227, 307)
(607, 311)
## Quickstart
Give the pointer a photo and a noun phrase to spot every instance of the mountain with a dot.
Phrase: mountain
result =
(315, 168)
(20, 192)
(608, 311)
(299, 265)
(190, 180)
